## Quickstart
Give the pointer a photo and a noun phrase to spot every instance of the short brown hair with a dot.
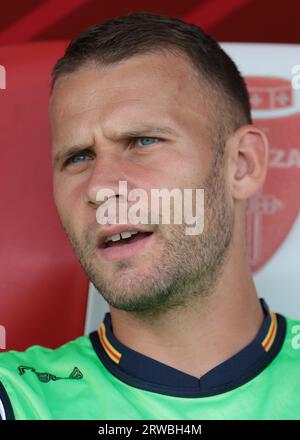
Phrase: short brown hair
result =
(141, 32)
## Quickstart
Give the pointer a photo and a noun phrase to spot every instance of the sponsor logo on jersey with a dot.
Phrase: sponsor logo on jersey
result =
(47, 377)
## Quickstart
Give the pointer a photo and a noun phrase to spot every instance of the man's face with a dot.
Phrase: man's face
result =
(93, 108)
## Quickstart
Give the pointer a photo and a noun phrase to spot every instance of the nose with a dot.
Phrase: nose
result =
(107, 171)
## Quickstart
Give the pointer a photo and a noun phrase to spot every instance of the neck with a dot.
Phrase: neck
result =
(204, 334)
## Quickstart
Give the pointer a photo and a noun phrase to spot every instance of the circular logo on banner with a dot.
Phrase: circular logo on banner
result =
(272, 212)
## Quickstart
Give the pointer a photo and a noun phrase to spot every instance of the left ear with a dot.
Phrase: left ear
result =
(248, 154)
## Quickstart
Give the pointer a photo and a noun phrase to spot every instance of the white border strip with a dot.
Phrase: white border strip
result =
(2, 411)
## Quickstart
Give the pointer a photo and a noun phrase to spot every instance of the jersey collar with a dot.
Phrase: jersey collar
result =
(141, 371)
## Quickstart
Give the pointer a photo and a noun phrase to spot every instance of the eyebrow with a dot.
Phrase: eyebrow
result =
(68, 151)
(143, 130)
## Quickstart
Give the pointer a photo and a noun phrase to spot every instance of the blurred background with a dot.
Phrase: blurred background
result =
(226, 20)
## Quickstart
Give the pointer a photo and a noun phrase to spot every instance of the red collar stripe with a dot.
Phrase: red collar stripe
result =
(110, 350)
(269, 339)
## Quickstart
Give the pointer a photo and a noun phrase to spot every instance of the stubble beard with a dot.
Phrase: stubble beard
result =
(188, 266)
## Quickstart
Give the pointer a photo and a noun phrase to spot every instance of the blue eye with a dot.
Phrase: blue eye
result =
(76, 158)
(145, 141)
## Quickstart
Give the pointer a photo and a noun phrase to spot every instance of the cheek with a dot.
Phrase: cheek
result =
(177, 172)
(187, 175)
(60, 193)
(67, 200)
(190, 168)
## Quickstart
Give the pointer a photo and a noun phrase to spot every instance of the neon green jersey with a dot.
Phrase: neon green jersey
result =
(97, 377)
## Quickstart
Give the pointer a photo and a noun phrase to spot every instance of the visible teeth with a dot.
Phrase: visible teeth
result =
(125, 234)
(115, 237)
(118, 237)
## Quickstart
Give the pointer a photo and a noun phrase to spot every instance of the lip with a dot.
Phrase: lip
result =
(116, 229)
(127, 250)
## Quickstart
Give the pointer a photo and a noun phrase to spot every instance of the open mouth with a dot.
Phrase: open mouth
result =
(124, 241)
(118, 247)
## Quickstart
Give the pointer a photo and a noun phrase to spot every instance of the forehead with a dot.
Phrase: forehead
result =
(139, 89)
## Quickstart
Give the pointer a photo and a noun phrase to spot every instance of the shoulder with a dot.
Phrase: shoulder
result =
(42, 356)
(287, 361)
(282, 377)
(29, 369)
